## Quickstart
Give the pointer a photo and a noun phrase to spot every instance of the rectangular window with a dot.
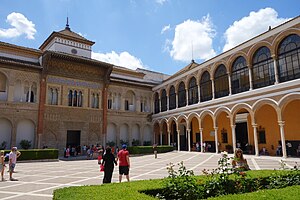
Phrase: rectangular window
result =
(142, 107)
(109, 104)
(126, 105)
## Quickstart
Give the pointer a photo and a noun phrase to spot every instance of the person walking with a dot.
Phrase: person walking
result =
(124, 163)
(13, 155)
(2, 165)
(155, 150)
(108, 162)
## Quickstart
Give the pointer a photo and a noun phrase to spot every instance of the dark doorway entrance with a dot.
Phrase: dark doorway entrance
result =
(241, 132)
(73, 138)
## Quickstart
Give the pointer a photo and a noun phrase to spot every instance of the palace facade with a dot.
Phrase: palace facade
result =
(247, 97)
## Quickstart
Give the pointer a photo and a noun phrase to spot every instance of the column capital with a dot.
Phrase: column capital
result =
(281, 123)
(188, 130)
(274, 56)
(254, 125)
(216, 128)
(200, 129)
(233, 125)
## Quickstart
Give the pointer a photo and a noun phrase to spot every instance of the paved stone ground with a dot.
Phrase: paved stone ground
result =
(37, 180)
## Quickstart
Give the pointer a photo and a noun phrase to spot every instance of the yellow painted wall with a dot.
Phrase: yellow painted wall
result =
(266, 117)
(291, 116)
(195, 128)
(207, 125)
(224, 122)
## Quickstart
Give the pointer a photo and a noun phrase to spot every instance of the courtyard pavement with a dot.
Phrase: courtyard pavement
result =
(38, 180)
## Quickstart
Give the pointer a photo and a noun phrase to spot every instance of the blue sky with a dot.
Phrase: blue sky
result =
(159, 35)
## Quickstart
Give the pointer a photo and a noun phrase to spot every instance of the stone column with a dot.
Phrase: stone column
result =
(42, 102)
(233, 137)
(213, 88)
(201, 138)
(282, 136)
(160, 137)
(176, 100)
(167, 102)
(29, 94)
(275, 69)
(255, 139)
(199, 95)
(178, 140)
(189, 138)
(187, 96)
(169, 137)
(250, 78)
(216, 139)
(229, 83)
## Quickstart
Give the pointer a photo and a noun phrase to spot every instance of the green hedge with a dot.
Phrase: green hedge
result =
(36, 154)
(149, 149)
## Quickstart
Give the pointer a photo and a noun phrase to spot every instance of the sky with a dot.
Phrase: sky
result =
(158, 35)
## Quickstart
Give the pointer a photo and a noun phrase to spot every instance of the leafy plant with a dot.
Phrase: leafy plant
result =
(124, 142)
(25, 144)
(147, 143)
(135, 142)
(3, 145)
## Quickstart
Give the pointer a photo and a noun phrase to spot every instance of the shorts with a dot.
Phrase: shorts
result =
(123, 170)
(1, 167)
(12, 167)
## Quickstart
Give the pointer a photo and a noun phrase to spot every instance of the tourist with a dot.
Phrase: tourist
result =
(68, 152)
(278, 150)
(108, 163)
(239, 163)
(13, 155)
(197, 146)
(2, 165)
(155, 150)
(124, 163)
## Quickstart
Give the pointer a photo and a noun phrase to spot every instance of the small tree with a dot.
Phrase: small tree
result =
(25, 144)
(111, 143)
(135, 142)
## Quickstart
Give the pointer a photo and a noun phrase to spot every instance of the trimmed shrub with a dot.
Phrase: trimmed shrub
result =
(25, 144)
(36, 154)
(149, 149)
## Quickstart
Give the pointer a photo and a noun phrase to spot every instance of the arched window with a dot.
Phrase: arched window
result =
(221, 82)
(163, 100)
(156, 103)
(193, 91)
(70, 98)
(80, 99)
(239, 76)
(181, 95)
(75, 98)
(97, 101)
(289, 58)
(263, 68)
(30, 96)
(93, 100)
(50, 96)
(55, 97)
(205, 87)
(172, 98)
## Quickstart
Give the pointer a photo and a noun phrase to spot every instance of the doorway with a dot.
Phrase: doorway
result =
(73, 138)
(241, 132)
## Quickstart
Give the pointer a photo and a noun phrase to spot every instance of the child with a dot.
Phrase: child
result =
(239, 162)
(2, 165)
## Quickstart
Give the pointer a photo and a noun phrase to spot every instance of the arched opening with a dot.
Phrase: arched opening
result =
(239, 76)
(5, 132)
(208, 134)
(224, 132)
(193, 91)
(25, 131)
(205, 87)
(130, 101)
(221, 82)
(163, 100)
(156, 103)
(172, 98)
(181, 95)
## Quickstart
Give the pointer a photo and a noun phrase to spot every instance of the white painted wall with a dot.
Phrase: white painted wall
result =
(111, 133)
(5, 132)
(124, 133)
(136, 132)
(25, 131)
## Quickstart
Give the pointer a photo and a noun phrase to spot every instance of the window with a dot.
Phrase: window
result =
(80, 96)
(221, 82)
(181, 95)
(224, 136)
(53, 96)
(70, 98)
(109, 104)
(75, 98)
(289, 58)
(126, 105)
(172, 98)
(263, 68)
(239, 76)
(2, 83)
(205, 87)
(163, 101)
(156, 103)
(261, 135)
(193, 91)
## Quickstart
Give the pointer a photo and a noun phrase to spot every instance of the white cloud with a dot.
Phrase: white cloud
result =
(21, 26)
(196, 35)
(165, 28)
(161, 2)
(250, 26)
(124, 59)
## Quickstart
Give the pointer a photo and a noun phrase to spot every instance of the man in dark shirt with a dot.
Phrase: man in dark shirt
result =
(108, 163)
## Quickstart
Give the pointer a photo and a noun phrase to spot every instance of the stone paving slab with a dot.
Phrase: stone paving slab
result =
(38, 180)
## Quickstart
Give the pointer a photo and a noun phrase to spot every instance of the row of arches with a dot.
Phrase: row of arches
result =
(14, 134)
(127, 133)
(264, 124)
(261, 70)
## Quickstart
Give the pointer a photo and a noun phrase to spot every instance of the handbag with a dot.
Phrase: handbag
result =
(101, 168)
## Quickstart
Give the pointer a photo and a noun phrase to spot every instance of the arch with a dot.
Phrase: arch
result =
(148, 135)
(192, 115)
(182, 117)
(181, 95)
(111, 133)
(221, 81)
(263, 68)
(264, 101)
(216, 65)
(278, 39)
(25, 131)
(238, 107)
(240, 81)
(3, 86)
(206, 112)
(222, 109)
(289, 58)
(5, 132)
(257, 46)
(124, 133)
(234, 57)
(288, 98)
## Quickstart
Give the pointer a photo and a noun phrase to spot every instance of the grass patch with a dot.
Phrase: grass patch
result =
(137, 190)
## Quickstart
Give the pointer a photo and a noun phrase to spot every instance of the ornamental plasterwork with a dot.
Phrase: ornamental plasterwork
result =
(72, 82)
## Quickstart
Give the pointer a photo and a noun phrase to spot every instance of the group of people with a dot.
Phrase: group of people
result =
(109, 160)
(13, 155)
